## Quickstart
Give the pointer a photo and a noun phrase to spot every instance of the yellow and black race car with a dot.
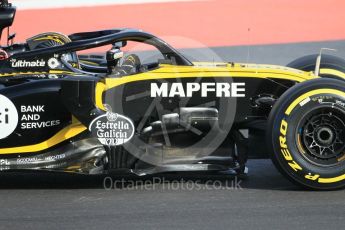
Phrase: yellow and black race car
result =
(96, 114)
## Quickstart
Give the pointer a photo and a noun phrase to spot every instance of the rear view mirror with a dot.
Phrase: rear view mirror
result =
(120, 44)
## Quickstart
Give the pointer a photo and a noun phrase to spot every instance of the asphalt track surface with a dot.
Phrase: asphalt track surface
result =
(265, 200)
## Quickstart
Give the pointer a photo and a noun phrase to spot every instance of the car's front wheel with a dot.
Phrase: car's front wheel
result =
(330, 66)
(306, 134)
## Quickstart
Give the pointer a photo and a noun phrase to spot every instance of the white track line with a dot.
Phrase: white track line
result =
(44, 4)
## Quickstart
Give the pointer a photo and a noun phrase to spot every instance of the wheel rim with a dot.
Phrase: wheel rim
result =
(321, 135)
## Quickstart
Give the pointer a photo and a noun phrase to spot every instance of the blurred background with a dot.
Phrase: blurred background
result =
(236, 30)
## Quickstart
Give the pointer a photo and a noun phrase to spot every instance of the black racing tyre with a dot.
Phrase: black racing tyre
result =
(306, 134)
(330, 66)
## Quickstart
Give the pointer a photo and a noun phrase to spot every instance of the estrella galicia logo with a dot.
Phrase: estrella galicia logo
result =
(112, 129)
(8, 117)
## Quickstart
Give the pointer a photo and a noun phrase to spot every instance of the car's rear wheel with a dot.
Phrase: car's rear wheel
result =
(306, 134)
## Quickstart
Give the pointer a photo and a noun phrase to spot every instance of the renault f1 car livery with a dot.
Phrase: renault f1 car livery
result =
(94, 114)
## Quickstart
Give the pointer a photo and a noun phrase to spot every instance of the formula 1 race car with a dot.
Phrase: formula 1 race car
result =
(92, 114)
